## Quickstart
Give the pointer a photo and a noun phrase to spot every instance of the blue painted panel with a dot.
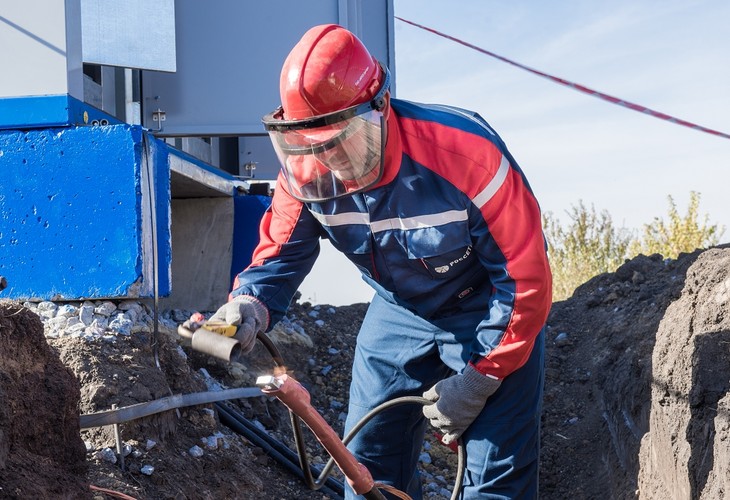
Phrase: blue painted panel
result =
(158, 170)
(248, 211)
(71, 213)
(48, 111)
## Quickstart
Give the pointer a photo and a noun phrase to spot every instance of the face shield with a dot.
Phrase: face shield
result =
(331, 155)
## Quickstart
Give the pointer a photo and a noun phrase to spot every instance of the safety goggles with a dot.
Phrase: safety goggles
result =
(331, 155)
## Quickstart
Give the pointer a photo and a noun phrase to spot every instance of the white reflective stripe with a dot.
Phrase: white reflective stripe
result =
(344, 219)
(419, 221)
(482, 198)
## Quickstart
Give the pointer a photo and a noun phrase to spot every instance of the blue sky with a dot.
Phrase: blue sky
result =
(670, 56)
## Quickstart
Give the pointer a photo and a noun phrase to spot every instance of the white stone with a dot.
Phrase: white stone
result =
(130, 305)
(106, 308)
(67, 311)
(93, 331)
(46, 314)
(86, 313)
(121, 324)
(107, 455)
(100, 322)
(210, 442)
(47, 306)
(131, 315)
(76, 328)
(57, 323)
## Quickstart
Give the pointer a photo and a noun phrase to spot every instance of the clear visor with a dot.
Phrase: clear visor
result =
(332, 160)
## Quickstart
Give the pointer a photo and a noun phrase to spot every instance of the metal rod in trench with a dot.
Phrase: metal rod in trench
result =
(118, 440)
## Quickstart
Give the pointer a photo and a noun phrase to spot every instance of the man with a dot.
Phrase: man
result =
(431, 207)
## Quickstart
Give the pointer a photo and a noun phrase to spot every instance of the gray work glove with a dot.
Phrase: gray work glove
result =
(458, 401)
(251, 316)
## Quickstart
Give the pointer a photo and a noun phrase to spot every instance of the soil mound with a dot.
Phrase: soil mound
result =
(41, 452)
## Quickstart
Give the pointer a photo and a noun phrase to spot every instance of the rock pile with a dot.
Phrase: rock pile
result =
(92, 320)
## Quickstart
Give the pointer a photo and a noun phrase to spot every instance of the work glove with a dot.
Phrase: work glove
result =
(458, 400)
(249, 314)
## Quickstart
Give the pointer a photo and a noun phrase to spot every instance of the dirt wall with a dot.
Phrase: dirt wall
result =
(686, 453)
(42, 454)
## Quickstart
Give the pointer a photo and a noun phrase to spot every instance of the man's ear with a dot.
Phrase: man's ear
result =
(386, 109)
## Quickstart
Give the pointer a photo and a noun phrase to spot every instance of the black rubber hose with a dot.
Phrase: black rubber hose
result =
(287, 461)
(277, 445)
(254, 429)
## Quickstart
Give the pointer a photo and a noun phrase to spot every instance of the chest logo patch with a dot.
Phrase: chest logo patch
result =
(442, 269)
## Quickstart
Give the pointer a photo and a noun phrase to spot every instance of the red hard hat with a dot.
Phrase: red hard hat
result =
(328, 70)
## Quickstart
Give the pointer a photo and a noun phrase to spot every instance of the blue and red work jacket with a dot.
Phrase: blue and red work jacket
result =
(452, 215)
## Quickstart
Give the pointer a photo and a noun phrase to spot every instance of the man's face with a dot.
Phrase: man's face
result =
(332, 159)
(351, 158)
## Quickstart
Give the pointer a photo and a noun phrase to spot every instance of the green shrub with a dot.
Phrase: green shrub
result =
(590, 244)
(678, 234)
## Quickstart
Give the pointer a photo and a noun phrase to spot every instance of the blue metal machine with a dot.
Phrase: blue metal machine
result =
(130, 140)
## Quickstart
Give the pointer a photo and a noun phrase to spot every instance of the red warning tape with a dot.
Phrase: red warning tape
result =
(576, 86)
